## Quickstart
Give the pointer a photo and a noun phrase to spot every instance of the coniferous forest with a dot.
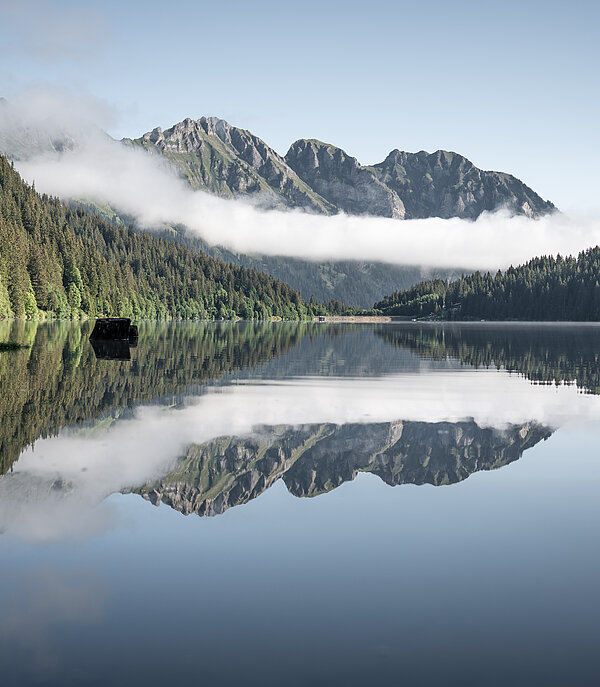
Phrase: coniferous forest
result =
(545, 288)
(63, 262)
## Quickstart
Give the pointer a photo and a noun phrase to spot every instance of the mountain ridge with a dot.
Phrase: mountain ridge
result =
(313, 459)
(228, 161)
(211, 155)
(214, 156)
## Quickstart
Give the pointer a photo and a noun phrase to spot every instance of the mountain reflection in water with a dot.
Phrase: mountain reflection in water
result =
(58, 382)
(313, 459)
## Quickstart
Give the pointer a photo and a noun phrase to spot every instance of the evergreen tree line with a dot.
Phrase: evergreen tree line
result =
(65, 262)
(545, 288)
(548, 355)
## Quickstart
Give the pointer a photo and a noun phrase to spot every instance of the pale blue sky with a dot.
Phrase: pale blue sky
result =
(511, 85)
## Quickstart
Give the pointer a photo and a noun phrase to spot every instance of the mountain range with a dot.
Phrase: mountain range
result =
(313, 459)
(219, 158)
(213, 156)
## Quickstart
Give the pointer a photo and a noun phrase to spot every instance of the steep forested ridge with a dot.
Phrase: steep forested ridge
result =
(67, 262)
(355, 283)
(545, 288)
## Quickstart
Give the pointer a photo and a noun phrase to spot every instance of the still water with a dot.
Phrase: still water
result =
(298, 504)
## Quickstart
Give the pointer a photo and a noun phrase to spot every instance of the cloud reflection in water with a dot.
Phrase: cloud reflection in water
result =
(57, 487)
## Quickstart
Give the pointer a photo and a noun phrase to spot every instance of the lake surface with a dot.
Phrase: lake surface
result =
(301, 504)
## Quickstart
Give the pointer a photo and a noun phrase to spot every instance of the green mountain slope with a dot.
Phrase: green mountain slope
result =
(70, 263)
(356, 283)
(216, 157)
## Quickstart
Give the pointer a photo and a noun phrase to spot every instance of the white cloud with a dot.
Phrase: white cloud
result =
(143, 186)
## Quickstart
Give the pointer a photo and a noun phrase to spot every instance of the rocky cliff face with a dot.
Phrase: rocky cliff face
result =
(444, 184)
(411, 185)
(217, 157)
(340, 179)
(313, 459)
(228, 161)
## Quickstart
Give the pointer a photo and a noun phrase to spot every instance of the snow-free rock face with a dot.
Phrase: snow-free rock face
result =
(228, 161)
(312, 459)
(217, 157)
(340, 179)
(445, 184)
(411, 185)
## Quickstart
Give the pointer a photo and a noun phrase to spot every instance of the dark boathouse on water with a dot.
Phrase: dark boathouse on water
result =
(112, 338)
(114, 329)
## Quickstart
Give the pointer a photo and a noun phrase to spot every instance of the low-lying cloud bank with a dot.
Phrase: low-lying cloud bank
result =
(146, 188)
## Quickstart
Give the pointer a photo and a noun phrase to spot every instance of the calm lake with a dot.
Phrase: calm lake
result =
(301, 504)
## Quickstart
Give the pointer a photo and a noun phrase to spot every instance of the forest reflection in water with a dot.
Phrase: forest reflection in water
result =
(310, 404)
(543, 353)
(60, 382)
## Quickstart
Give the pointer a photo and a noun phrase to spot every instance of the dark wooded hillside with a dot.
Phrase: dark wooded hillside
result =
(69, 263)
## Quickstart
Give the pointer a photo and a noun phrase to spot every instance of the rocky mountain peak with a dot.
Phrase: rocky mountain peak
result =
(154, 136)
(321, 156)
(446, 184)
(216, 127)
(339, 178)
(216, 156)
